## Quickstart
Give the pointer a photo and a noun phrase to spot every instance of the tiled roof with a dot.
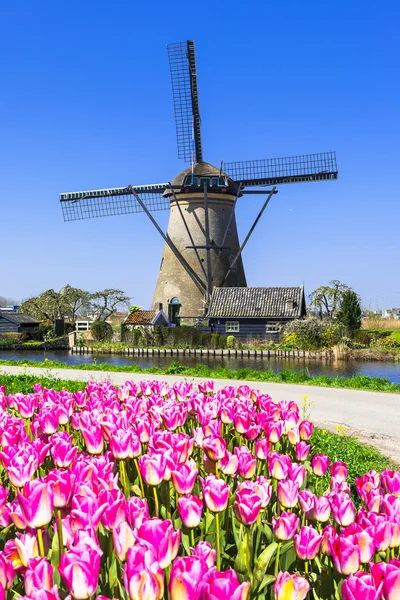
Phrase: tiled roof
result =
(257, 302)
(18, 318)
(141, 317)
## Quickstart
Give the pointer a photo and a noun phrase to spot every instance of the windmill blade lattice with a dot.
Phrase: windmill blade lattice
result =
(290, 169)
(113, 201)
(182, 63)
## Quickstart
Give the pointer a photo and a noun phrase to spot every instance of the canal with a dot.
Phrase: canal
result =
(388, 370)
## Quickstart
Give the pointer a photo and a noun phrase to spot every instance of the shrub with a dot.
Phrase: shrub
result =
(311, 333)
(214, 341)
(158, 336)
(230, 342)
(395, 335)
(223, 341)
(101, 331)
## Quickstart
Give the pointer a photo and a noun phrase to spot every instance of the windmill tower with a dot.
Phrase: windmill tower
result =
(202, 248)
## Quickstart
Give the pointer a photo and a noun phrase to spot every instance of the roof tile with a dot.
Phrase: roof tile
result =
(256, 302)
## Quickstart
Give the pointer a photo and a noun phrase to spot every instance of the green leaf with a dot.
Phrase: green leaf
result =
(186, 543)
(234, 531)
(136, 490)
(243, 558)
(263, 562)
(287, 559)
(268, 579)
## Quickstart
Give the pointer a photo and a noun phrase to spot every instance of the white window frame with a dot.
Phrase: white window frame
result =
(272, 327)
(232, 326)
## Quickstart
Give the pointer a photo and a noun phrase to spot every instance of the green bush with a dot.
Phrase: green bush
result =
(223, 342)
(395, 335)
(214, 341)
(101, 331)
(230, 342)
(310, 334)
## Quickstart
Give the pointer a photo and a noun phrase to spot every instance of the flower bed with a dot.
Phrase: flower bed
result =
(148, 492)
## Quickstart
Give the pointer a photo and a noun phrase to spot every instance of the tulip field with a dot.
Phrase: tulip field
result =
(150, 492)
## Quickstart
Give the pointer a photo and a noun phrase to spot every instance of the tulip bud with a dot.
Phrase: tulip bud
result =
(247, 506)
(143, 576)
(307, 543)
(37, 503)
(290, 587)
(38, 576)
(288, 493)
(346, 555)
(215, 493)
(206, 552)
(320, 464)
(190, 509)
(224, 586)
(285, 526)
(186, 575)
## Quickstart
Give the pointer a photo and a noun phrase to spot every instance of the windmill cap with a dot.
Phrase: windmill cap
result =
(201, 169)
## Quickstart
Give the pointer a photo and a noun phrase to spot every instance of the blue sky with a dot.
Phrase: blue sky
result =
(86, 103)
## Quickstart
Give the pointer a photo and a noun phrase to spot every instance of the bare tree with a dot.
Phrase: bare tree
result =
(327, 298)
(107, 302)
(4, 301)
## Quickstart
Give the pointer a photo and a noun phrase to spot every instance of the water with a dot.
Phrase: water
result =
(388, 370)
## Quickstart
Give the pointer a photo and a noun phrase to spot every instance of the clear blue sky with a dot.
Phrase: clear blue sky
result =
(86, 103)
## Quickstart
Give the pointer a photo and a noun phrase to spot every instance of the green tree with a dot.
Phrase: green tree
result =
(51, 305)
(349, 314)
(328, 298)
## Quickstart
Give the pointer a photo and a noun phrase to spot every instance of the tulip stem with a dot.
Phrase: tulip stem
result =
(40, 540)
(216, 470)
(156, 501)
(278, 552)
(306, 567)
(218, 541)
(124, 478)
(192, 537)
(60, 532)
(140, 476)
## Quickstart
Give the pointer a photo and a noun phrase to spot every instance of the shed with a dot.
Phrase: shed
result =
(255, 312)
(11, 322)
(149, 318)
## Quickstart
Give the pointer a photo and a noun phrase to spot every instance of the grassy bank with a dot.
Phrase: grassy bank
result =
(358, 382)
(359, 458)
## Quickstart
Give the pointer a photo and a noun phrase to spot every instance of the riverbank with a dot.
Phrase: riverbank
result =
(358, 382)
(371, 417)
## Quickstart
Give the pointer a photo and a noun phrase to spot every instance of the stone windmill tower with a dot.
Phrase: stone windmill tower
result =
(202, 248)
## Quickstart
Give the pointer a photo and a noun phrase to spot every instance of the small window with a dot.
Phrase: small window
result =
(272, 327)
(232, 327)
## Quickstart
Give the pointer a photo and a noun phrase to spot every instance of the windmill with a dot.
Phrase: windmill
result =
(202, 248)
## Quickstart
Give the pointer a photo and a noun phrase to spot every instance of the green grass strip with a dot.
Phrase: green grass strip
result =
(357, 382)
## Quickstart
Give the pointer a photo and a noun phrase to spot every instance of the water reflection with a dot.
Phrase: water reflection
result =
(389, 370)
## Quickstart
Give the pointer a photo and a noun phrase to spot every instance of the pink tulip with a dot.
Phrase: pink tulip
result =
(302, 451)
(223, 586)
(162, 538)
(297, 473)
(62, 451)
(214, 447)
(63, 484)
(278, 465)
(186, 575)
(390, 481)
(288, 493)
(124, 444)
(152, 468)
(346, 555)
(123, 539)
(80, 572)
(114, 513)
(307, 543)
(263, 489)
(215, 493)
(26, 546)
(274, 431)
(322, 509)
(184, 477)
(363, 539)
(360, 586)
(329, 535)
(290, 587)
(320, 464)
(229, 463)
(205, 552)
(93, 437)
(85, 512)
(6, 572)
(38, 575)
(247, 506)
(21, 467)
(190, 509)
(37, 503)
(307, 502)
(137, 511)
(339, 471)
(306, 429)
(247, 463)
(285, 526)
(143, 576)
(342, 508)
(262, 448)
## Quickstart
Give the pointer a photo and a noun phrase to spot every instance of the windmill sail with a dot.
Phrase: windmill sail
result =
(112, 201)
(290, 169)
(182, 63)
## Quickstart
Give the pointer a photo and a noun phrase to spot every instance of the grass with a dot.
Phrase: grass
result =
(380, 323)
(338, 447)
(358, 382)
(359, 458)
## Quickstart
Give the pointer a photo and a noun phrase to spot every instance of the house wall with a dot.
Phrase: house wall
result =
(249, 328)
(7, 326)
